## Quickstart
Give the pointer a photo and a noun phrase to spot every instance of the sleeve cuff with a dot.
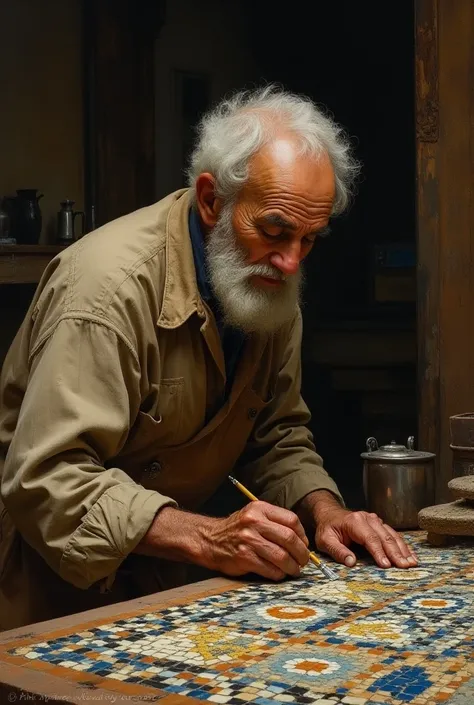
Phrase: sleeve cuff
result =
(300, 484)
(111, 530)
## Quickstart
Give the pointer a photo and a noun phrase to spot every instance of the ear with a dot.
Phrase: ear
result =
(208, 204)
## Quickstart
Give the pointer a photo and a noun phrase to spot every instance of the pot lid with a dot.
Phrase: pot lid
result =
(395, 451)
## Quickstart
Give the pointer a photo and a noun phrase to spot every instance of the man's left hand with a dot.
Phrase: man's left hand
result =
(336, 532)
(337, 528)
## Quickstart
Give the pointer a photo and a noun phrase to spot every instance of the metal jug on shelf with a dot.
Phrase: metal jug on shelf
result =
(66, 233)
(398, 482)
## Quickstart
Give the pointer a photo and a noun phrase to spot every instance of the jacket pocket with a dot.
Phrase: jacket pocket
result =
(170, 410)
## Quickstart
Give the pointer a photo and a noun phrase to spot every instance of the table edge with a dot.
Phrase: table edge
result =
(156, 600)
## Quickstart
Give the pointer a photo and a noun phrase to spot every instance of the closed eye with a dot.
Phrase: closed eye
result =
(270, 236)
(308, 239)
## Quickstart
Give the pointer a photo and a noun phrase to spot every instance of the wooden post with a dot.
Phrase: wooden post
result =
(445, 172)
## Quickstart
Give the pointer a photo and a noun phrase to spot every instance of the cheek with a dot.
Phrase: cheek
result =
(255, 250)
(248, 238)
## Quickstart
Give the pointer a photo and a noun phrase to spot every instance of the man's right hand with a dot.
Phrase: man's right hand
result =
(260, 538)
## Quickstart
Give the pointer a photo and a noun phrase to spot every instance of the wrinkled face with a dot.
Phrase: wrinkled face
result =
(256, 248)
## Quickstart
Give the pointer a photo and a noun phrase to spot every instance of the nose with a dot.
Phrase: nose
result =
(287, 259)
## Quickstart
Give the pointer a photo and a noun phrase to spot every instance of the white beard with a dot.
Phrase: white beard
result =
(244, 305)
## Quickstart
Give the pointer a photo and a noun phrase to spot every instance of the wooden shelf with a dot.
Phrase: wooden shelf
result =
(24, 264)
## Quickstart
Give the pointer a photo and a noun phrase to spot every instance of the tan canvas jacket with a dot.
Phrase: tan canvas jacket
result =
(109, 410)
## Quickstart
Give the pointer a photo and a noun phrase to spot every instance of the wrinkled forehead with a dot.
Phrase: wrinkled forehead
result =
(280, 168)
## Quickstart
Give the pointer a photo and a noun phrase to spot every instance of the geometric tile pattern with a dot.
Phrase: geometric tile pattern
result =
(378, 637)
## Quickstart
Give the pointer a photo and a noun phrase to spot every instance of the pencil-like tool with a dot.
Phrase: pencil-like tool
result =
(317, 561)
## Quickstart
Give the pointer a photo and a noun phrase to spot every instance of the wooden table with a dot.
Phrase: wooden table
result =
(373, 636)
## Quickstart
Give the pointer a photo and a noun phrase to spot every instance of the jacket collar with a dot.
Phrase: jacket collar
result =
(181, 294)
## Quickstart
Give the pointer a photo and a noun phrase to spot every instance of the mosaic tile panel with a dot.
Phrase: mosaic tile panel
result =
(371, 637)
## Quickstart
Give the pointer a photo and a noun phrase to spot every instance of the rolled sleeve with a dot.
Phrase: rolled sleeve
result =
(109, 532)
(296, 486)
(82, 396)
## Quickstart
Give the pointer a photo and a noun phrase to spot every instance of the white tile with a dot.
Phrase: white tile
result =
(118, 676)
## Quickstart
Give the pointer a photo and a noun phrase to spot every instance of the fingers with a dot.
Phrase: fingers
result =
(278, 557)
(276, 535)
(367, 533)
(288, 550)
(284, 517)
(386, 546)
(328, 542)
(397, 551)
(259, 565)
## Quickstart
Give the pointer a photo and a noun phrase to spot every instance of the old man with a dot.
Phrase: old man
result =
(161, 353)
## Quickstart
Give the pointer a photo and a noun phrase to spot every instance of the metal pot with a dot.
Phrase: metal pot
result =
(398, 482)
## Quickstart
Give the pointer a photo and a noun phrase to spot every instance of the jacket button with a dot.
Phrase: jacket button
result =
(153, 470)
(252, 412)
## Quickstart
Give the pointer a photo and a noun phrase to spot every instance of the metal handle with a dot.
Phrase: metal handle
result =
(372, 444)
(411, 443)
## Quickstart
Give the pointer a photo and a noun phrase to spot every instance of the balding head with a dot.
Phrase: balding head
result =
(232, 134)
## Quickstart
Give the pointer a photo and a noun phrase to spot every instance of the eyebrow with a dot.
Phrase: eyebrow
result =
(280, 222)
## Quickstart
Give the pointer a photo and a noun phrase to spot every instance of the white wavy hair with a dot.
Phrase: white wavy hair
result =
(232, 132)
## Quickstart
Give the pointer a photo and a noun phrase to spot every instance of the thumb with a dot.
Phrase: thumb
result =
(330, 543)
